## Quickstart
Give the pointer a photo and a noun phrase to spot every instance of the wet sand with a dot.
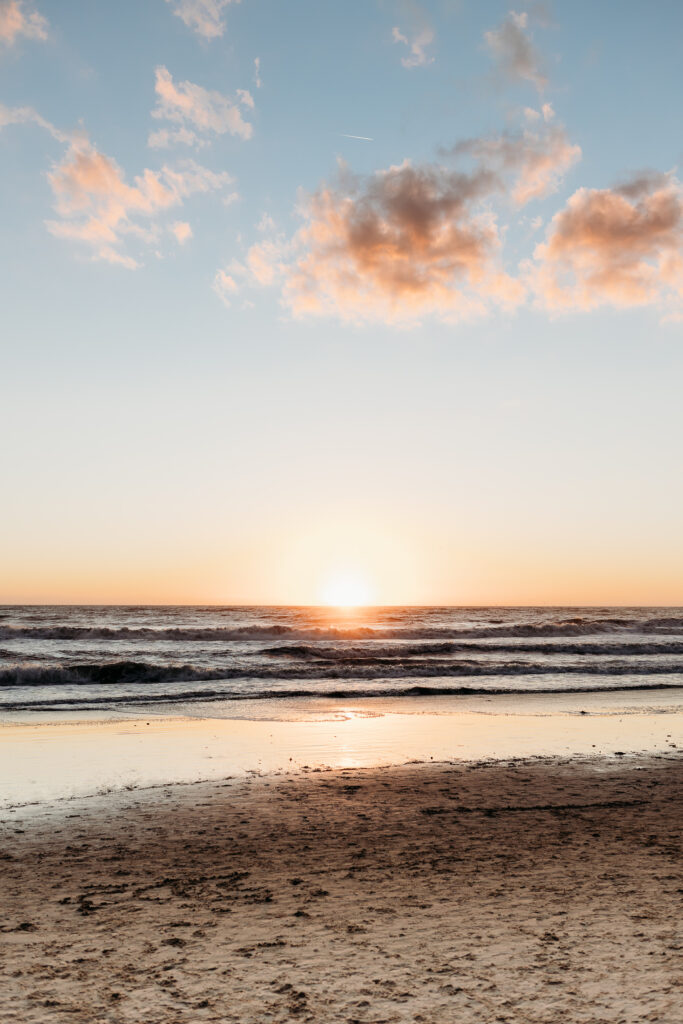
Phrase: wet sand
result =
(536, 890)
(55, 756)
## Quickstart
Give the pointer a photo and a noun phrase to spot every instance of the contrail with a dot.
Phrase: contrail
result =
(363, 138)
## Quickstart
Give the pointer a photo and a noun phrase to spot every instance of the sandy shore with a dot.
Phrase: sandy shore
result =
(47, 758)
(527, 891)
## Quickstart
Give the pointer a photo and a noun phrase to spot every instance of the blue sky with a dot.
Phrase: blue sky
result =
(483, 408)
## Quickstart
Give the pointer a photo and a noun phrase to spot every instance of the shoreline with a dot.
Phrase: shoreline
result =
(527, 890)
(69, 756)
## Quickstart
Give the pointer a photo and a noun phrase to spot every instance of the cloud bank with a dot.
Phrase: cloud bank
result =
(411, 241)
(416, 242)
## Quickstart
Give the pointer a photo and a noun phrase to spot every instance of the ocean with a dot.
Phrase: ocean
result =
(91, 658)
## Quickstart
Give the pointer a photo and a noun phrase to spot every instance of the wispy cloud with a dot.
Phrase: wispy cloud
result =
(225, 286)
(264, 265)
(18, 18)
(417, 45)
(97, 207)
(205, 17)
(361, 138)
(257, 72)
(620, 247)
(27, 115)
(198, 112)
(265, 223)
(513, 51)
(540, 159)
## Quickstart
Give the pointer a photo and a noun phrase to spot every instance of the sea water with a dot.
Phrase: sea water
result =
(91, 658)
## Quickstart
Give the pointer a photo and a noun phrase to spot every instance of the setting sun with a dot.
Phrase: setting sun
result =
(346, 590)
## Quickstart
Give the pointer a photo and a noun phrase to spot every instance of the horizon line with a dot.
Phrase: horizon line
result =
(332, 607)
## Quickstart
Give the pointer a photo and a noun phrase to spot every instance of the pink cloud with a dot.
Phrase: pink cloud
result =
(406, 243)
(225, 286)
(97, 207)
(181, 231)
(205, 17)
(197, 110)
(17, 19)
(620, 247)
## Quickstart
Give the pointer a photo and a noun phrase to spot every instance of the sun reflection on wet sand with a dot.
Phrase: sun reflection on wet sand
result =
(61, 759)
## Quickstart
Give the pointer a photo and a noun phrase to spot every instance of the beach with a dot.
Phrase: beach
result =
(513, 890)
(410, 815)
(341, 574)
(50, 758)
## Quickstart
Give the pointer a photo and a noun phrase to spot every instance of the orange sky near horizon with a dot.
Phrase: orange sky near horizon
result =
(380, 566)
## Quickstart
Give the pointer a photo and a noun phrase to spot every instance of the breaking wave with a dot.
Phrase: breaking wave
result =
(81, 656)
(571, 627)
(372, 653)
(120, 673)
(355, 693)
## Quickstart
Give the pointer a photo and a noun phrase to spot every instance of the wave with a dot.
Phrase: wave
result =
(306, 652)
(122, 673)
(570, 627)
(217, 633)
(415, 690)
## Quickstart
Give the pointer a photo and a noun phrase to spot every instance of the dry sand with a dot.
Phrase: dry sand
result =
(526, 891)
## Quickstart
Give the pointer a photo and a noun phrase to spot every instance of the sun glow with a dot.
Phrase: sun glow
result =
(346, 590)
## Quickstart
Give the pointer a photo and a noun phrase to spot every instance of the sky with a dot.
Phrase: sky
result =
(381, 291)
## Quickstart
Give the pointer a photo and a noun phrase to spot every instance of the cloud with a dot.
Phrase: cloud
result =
(265, 264)
(619, 247)
(539, 158)
(17, 19)
(181, 230)
(98, 208)
(257, 72)
(245, 97)
(266, 223)
(199, 112)
(513, 51)
(164, 138)
(418, 56)
(27, 115)
(403, 244)
(225, 286)
(205, 17)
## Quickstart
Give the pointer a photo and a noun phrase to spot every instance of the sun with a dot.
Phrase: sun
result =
(346, 590)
